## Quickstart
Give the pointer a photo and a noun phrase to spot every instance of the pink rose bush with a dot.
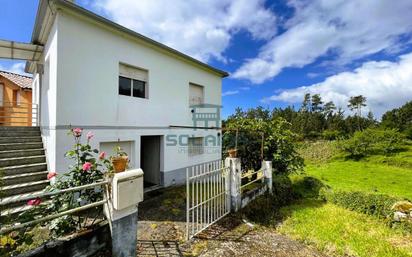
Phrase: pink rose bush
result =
(102, 155)
(77, 132)
(51, 175)
(87, 166)
(34, 202)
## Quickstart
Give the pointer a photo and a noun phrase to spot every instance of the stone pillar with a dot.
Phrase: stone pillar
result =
(235, 174)
(267, 167)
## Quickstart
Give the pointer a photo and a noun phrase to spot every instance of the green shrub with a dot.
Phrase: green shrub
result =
(372, 204)
(264, 209)
(373, 141)
(306, 187)
(282, 190)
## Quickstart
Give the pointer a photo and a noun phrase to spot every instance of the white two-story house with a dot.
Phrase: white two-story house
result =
(129, 90)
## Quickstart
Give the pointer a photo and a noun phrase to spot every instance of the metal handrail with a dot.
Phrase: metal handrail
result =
(44, 194)
(51, 217)
(57, 215)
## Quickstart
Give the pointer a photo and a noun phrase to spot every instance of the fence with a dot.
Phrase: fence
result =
(6, 229)
(207, 196)
(19, 114)
(214, 189)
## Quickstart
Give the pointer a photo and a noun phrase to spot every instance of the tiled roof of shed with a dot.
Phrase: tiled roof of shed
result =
(20, 80)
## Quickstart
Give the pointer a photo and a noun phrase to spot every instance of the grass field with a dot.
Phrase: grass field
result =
(337, 231)
(364, 176)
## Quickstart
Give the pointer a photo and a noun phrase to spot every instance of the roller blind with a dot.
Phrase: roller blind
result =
(195, 94)
(132, 72)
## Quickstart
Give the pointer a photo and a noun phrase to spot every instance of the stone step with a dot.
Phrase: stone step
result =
(21, 153)
(23, 178)
(12, 133)
(10, 140)
(27, 168)
(17, 197)
(20, 146)
(19, 128)
(23, 188)
(7, 162)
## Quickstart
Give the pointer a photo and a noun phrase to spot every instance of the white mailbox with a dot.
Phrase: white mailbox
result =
(127, 188)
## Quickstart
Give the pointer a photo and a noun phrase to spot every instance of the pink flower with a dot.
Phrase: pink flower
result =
(87, 166)
(77, 132)
(34, 202)
(51, 175)
(90, 135)
(102, 155)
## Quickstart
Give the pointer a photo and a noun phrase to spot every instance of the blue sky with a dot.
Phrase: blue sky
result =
(275, 50)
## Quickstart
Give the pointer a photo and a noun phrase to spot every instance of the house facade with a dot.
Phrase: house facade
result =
(15, 100)
(127, 89)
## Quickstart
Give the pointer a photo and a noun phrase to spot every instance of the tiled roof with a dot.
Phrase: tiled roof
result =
(20, 80)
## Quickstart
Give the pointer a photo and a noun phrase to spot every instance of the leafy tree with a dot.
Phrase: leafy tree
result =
(316, 103)
(279, 142)
(355, 104)
(399, 118)
(305, 103)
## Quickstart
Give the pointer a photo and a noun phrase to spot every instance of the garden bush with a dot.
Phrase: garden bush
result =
(373, 141)
(264, 209)
(378, 205)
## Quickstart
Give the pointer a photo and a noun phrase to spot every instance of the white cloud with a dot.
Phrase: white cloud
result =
(233, 92)
(200, 28)
(385, 84)
(17, 67)
(350, 29)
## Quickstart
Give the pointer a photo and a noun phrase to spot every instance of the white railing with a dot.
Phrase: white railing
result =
(12, 227)
(260, 176)
(207, 194)
(19, 114)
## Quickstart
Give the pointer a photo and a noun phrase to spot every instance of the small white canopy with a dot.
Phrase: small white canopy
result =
(20, 51)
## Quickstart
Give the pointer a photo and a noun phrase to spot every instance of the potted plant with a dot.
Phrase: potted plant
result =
(120, 160)
(232, 153)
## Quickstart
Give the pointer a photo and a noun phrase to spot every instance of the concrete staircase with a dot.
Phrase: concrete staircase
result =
(23, 166)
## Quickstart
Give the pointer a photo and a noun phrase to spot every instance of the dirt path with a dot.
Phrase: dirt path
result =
(161, 232)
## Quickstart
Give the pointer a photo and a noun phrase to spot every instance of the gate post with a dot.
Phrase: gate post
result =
(267, 167)
(126, 191)
(234, 183)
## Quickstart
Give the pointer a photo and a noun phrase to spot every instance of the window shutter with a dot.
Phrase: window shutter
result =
(133, 73)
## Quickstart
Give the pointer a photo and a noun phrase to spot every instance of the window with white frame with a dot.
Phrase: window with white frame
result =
(195, 146)
(132, 81)
(196, 94)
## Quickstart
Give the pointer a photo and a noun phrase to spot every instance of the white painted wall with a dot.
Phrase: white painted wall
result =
(80, 88)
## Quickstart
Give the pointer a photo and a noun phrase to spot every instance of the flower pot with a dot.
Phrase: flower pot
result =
(232, 153)
(119, 163)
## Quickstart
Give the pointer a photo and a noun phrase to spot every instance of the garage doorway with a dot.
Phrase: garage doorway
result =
(150, 150)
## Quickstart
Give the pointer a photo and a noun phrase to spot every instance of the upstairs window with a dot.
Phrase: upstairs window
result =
(132, 81)
(196, 94)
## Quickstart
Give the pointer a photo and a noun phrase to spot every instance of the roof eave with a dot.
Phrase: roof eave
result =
(42, 13)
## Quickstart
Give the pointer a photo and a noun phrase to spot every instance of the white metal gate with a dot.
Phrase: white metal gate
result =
(207, 194)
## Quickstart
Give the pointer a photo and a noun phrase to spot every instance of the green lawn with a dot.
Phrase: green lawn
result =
(337, 231)
(364, 176)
